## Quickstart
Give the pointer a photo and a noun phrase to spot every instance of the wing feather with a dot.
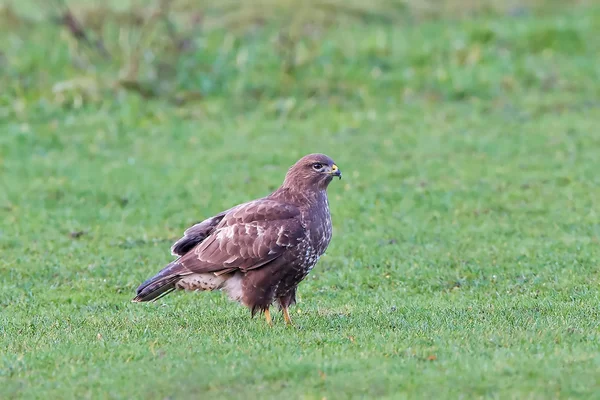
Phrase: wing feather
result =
(196, 234)
(247, 237)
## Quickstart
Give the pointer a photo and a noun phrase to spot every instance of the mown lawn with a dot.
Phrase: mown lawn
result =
(465, 257)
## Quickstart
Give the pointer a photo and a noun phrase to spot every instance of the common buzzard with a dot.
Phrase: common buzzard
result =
(258, 252)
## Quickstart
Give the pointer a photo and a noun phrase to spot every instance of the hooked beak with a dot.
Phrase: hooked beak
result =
(335, 171)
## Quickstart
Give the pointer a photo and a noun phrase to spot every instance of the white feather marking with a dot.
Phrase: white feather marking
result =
(259, 229)
(233, 287)
(201, 282)
(229, 233)
(225, 232)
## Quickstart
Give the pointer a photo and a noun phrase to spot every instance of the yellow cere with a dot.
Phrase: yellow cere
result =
(334, 168)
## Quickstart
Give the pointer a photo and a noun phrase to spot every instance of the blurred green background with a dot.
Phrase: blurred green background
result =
(464, 262)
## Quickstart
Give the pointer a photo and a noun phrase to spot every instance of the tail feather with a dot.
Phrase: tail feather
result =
(160, 285)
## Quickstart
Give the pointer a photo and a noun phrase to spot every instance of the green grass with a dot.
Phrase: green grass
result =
(465, 256)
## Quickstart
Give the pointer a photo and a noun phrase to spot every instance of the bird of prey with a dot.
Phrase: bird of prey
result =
(257, 252)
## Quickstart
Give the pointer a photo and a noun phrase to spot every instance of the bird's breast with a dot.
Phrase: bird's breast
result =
(319, 229)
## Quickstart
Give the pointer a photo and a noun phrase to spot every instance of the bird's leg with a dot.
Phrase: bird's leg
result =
(286, 316)
(284, 303)
(268, 317)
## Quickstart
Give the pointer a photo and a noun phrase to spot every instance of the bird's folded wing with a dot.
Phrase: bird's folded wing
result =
(248, 236)
(196, 234)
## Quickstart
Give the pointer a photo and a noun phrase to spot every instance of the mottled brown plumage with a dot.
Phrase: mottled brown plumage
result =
(258, 252)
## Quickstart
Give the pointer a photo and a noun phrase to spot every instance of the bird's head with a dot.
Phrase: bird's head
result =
(314, 171)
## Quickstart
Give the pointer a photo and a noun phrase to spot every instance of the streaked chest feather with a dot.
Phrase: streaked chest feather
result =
(319, 229)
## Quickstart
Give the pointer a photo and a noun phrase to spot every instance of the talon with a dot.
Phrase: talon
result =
(286, 316)
(268, 317)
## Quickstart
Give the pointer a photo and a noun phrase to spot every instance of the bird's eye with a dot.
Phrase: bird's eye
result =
(317, 166)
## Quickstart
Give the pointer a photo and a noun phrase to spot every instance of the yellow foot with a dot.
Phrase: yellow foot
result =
(286, 316)
(268, 317)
